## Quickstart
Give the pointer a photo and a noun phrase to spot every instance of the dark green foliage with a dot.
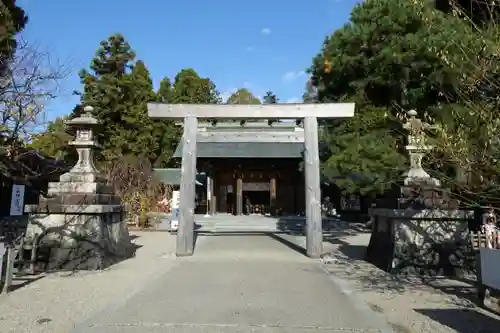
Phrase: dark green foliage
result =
(363, 155)
(392, 56)
(13, 19)
(119, 88)
(108, 88)
(243, 96)
(190, 88)
(54, 141)
(270, 98)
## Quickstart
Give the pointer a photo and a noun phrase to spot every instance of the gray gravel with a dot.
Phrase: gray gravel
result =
(56, 302)
(409, 304)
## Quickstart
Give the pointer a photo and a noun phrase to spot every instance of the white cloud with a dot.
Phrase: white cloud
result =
(265, 31)
(292, 76)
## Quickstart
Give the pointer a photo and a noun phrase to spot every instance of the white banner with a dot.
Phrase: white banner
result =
(17, 200)
(174, 203)
(209, 194)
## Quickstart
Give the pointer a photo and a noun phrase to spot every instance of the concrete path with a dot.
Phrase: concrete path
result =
(239, 283)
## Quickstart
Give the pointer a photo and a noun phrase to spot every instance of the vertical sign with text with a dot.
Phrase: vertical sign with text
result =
(17, 200)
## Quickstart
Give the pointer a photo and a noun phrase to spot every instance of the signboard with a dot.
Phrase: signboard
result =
(256, 187)
(17, 200)
(3, 249)
(174, 208)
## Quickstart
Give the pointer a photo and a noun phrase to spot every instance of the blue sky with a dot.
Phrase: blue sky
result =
(260, 45)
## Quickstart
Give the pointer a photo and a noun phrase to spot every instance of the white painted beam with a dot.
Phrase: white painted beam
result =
(261, 111)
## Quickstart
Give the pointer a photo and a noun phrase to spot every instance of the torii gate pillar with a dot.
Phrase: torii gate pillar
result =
(309, 112)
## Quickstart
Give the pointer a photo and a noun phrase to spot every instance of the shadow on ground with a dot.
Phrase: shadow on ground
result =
(19, 282)
(369, 278)
(293, 246)
(460, 319)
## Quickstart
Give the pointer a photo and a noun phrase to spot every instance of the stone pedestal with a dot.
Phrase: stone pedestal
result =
(80, 225)
(421, 241)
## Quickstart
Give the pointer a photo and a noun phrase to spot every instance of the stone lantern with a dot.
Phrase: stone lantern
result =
(84, 143)
(81, 209)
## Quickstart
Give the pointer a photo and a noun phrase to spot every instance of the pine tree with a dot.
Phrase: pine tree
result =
(165, 92)
(108, 88)
(270, 98)
(190, 88)
(167, 134)
(137, 130)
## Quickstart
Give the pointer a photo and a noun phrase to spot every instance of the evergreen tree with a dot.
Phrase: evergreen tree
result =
(270, 98)
(416, 57)
(13, 19)
(165, 92)
(243, 96)
(138, 135)
(310, 96)
(54, 141)
(166, 132)
(190, 88)
(108, 89)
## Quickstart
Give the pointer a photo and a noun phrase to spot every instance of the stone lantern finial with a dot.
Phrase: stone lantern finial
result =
(88, 110)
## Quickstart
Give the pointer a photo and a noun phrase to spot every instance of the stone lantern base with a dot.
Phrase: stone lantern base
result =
(79, 231)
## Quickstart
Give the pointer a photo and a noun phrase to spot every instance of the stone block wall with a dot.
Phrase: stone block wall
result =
(422, 242)
(90, 237)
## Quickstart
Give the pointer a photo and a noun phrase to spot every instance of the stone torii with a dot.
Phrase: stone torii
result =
(309, 112)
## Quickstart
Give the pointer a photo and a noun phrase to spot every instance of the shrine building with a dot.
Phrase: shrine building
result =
(250, 168)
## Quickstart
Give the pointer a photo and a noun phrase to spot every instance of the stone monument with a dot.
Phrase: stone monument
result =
(81, 221)
(428, 234)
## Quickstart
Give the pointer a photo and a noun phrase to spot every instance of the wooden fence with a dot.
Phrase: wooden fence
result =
(481, 239)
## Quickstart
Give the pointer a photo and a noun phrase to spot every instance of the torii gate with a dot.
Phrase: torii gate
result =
(309, 112)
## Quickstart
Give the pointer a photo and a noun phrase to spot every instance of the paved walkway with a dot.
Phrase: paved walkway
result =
(239, 283)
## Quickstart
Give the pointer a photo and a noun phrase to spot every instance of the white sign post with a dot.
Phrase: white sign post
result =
(209, 197)
(17, 200)
(174, 208)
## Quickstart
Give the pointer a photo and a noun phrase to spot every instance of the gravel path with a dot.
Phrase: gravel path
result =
(410, 305)
(56, 302)
(240, 283)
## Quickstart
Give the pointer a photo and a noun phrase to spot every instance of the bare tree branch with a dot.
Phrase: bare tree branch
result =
(31, 81)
